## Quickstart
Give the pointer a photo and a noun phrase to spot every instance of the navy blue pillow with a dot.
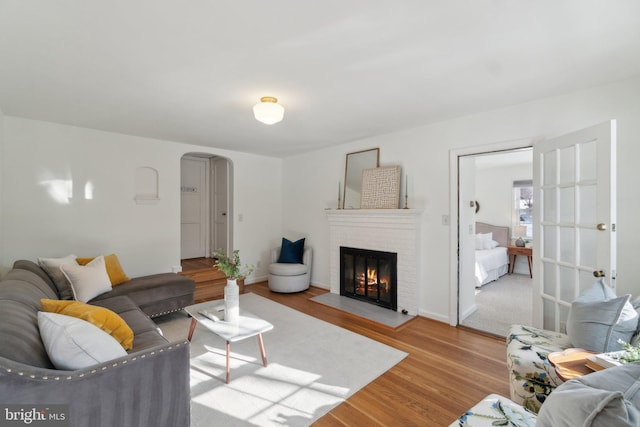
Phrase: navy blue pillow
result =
(291, 252)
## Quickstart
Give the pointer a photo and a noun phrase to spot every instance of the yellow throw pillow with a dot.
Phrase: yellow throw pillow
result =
(114, 269)
(101, 317)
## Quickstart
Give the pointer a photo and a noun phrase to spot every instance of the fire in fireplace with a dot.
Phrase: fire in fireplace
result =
(369, 276)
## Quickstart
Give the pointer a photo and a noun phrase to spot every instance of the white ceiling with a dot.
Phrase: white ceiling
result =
(344, 70)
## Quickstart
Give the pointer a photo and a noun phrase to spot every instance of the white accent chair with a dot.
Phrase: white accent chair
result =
(287, 278)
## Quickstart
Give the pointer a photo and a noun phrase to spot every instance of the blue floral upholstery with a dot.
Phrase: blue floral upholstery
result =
(531, 376)
(532, 379)
(496, 410)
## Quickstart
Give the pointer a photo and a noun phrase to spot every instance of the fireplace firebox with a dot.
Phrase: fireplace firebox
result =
(369, 276)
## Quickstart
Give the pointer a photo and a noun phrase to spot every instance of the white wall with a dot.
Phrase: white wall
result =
(146, 237)
(257, 198)
(494, 192)
(310, 179)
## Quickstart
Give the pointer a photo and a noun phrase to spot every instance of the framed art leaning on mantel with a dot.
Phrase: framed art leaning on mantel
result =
(380, 188)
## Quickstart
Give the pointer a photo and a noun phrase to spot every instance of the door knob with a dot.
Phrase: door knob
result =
(224, 214)
(598, 273)
(601, 227)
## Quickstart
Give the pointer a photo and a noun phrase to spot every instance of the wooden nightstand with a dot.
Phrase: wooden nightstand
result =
(514, 251)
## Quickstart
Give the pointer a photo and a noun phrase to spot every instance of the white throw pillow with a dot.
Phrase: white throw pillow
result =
(88, 281)
(73, 343)
(483, 241)
(493, 244)
(479, 243)
(486, 240)
(52, 267)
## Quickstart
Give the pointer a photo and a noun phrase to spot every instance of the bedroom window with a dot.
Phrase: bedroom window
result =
(523, 206)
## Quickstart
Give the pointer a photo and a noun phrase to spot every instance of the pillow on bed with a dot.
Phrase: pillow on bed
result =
(493, 244)
(483, 241)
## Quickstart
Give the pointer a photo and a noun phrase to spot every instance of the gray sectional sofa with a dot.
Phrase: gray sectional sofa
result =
(147, 387)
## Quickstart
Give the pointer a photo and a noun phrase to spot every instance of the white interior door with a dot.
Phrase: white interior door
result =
(194, 228)
(466, 241)
(574, 225)
(221, 204)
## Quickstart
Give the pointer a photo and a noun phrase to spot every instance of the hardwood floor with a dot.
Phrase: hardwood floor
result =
(447, 371)
(192, 264)
(210, 281)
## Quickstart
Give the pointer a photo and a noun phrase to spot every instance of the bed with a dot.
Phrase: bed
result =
(492, 260)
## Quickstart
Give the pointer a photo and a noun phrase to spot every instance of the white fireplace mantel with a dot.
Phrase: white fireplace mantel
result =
(374, 217)
(389, 230)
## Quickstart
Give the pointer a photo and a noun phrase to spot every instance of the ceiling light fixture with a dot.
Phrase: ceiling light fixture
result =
(268, 111)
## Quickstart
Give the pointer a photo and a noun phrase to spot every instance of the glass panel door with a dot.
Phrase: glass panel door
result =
(575, 182)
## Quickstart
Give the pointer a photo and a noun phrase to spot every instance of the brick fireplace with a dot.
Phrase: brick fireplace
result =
(388, 230)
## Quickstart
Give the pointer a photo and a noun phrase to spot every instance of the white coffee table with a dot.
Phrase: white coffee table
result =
(248, 325)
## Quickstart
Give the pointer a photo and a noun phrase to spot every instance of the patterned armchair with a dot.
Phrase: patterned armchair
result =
(531, 376)
(531, 380)
(496, 410)
(604, 398)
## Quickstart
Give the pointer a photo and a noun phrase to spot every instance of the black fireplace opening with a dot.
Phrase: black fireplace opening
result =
(369, 276)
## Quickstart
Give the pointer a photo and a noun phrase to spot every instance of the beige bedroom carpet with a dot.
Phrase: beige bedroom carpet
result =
(313, 366)
(502, 303)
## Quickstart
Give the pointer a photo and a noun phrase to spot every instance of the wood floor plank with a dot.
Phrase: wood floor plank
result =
(210, 281)
(447, 370)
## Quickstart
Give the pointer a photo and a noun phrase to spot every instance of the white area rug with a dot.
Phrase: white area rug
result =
(313, 366)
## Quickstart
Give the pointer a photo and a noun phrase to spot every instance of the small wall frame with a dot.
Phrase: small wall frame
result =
(380, 188)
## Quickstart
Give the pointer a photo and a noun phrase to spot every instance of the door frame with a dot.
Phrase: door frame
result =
(209, 181)
(454, 210)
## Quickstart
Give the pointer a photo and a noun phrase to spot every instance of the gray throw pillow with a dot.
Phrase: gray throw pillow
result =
(597, 319)
(635, 340)
(52, 267)
(602, 399)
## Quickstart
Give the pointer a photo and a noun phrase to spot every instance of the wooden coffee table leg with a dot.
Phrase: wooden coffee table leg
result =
(262, 352)
(228, 369)
(192, 327)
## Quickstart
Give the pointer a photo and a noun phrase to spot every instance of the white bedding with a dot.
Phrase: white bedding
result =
(491, 264)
